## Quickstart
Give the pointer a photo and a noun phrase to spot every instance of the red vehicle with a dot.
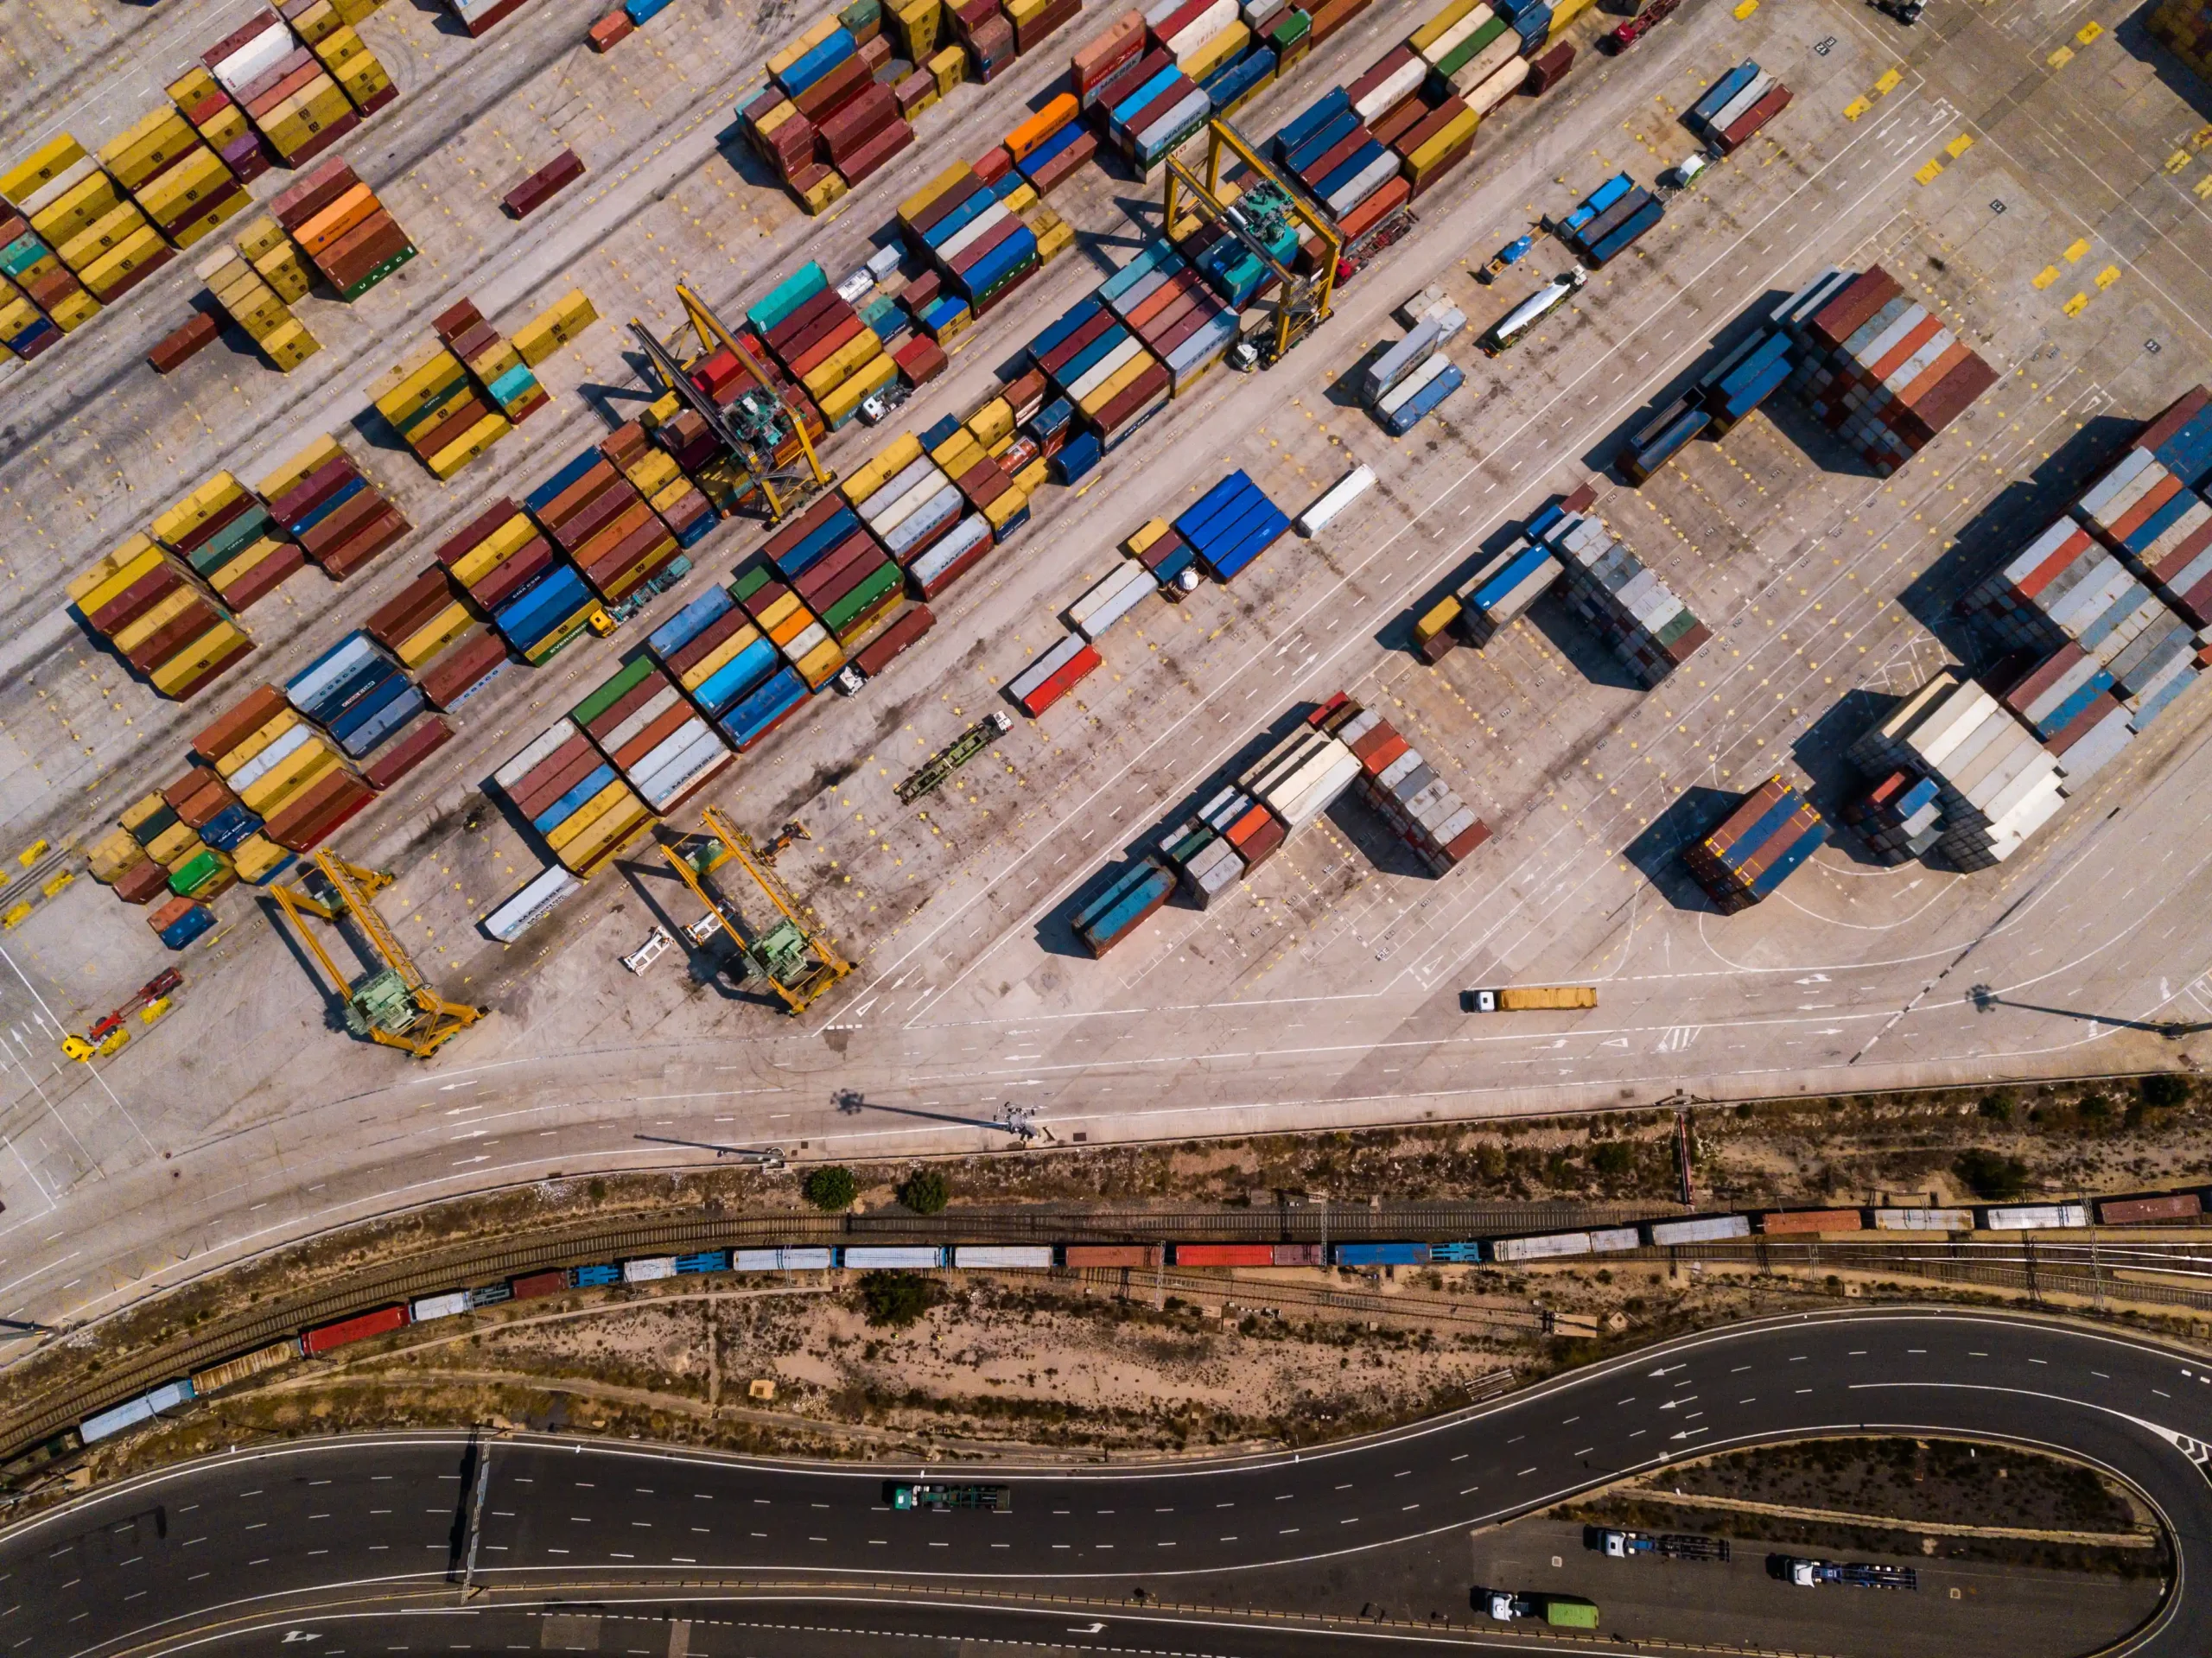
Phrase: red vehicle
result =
(1638, 27)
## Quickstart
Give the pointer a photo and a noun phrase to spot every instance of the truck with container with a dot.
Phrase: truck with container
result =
(938, 1497)
(1530, 998)
(1559, 1611)
(1510, 329)
(1857, 1574)
(1660, 1544)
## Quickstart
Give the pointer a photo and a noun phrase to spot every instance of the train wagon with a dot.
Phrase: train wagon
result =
(1783, 1223)
(324, 1338)
(2159, 1210)
(1923, 1220)
(876, 1257)
(648, 1269)
(818, 1259)
(532, 1285)
(1380, 1254)
(230, 1372)
(704, 1260)
(451, 1305)
(596, 1277)
(1002, 1254)
(144, 1408)
(2025, 1217)
(1223, 1254)
(1704, 1229)
(1558, 1245)
(1114, 1254)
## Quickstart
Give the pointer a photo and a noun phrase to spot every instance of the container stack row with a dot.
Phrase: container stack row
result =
(249, 297)
(284, 770)
(358, 694)
(151, 611)
(1735, 107)
(818, 339)
(1610, 220)
(732, 672)
(1103, 372)
(594, 514)
(838, 570)
(2171, 552)
(436, 407)
(1411, 380)
(90, 223)
(1125, 904)
(650, 734)
(326, 504)
(655, 474)
(1772, 831)
(509, 387)
(1501, 587)
(1648, 626)
(231, 540)
(1422, 809)
(340, 225)
(2071, 700)
(979, 250)
(1899, 819)
(1148, 107)
(1746, 378)
(1879, 369)
(1174, 312)
(285, 89)
(1995, 781)
(575, 800)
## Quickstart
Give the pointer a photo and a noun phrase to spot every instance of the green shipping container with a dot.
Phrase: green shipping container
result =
(377, 275)
(1570, 1612)
(859, 601)
(204, 869)
(788, 295)
(1463, 53)
(631, 675)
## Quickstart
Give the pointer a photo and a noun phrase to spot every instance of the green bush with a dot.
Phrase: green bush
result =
(831, 1187)
(1998, 1105)
(2163, 1091)
(1992, 1175)
(1613, 1159)
(896, 1299)
(924, 1191)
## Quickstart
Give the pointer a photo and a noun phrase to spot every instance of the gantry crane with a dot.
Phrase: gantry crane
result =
(394, 1006)
(797, 959)
(753, 428)
(1300, 304)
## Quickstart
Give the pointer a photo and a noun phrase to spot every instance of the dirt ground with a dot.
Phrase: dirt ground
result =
(1912, 1482)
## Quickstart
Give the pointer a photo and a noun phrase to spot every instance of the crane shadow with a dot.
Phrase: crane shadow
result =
(1988, 1000)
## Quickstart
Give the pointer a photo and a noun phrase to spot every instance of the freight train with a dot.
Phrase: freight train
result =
(2147, 1209)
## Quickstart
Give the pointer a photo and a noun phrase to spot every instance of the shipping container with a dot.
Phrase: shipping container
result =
(1711, 1228)
(800, 1259)
(325, 1337)
(896, 1257)
(979, 1255)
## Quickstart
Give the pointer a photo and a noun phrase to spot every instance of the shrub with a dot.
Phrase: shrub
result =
(1998, 1104)
(831, 1187)
(2094, 1110)
(896, 1299)
(1992, 1175)
(2163, 1091)
(924, 1191)
(1613, 1159)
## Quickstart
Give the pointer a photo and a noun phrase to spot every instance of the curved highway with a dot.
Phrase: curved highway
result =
(159, 1559)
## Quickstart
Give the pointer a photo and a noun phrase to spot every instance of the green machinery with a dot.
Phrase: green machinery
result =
(934, 770)
(795, 960)
(1265, 219)
(394, 1006)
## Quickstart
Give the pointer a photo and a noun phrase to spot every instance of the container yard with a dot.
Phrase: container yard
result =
(1040, 380)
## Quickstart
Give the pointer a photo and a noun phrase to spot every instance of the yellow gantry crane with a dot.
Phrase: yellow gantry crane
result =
(798, 960)
(394, 1006)
(1260, 219)
(753, 427)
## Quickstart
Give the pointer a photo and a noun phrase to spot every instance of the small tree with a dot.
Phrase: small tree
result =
(1614, 1158)
(924, 1191)
(1998, 1104)
(896, 1299)
(831, 1187)
(2163, 1091)
(1992, 1175)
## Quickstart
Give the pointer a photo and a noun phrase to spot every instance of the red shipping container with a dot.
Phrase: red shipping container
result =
(137, 599)
(1030, 34)
(532, 1285)
(921, 359)
(176, 347)
(834, 91)
(409, 750)
(1112, 49)
(1084, 663)
(878, 152)
(1113, 1254)
(883, 648)
(244, 717)
(1782, 1223)
(1224, 1254)
(1085, 146)
(463, 669)
(874, 108)
(1753, 118)
(1547, 71)
(2150, 1211)
(324, 1338)
(530, 563)
(609, 32)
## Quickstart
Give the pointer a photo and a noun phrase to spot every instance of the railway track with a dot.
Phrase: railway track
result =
(40, 1406)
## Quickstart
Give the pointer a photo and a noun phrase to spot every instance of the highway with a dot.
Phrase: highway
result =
(219, 1546)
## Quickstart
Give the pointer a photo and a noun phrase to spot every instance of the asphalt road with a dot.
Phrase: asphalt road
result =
(216, 1545)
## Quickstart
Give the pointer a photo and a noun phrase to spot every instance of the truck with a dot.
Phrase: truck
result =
(1811, 1574)
(1666, 1544)
(1560, 1611)
(940, 1497)
(1529, 997)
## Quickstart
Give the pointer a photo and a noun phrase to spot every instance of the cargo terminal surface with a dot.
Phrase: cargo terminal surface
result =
(2031, 173)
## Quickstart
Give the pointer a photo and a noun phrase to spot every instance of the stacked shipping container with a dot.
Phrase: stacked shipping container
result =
(1773, 830)
(573, 798)
(338, 222)
(326, 504)
(1638, 615)
(1995, 782)
(231, 541)
(147, 606)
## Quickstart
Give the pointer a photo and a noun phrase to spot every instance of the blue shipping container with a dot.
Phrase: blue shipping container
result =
(1425, 402)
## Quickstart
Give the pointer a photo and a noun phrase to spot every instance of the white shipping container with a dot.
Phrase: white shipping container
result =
(782, 1260)
(1606, 1239)
(1497, 88)
(932, 515)
(2025, 1217)
(437, 1307)
(1104, 369)
(654, 706)
(352, 654)
(865, 1257)
(1706, 1228)
(1384, 98)
(256, 57)
(1339, 496)
(269, 758)
(1125, 599)
(647, 1269)
(973, 230)
(876, 508)
(544, 890)
(1923, 1220)
(962, 539)
(1554, 1246)
(540, 747)
(1002, 1254)
(106, 1424)
(1045, 667)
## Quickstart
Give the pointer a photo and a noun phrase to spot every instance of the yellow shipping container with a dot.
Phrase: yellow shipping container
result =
(493, 550)
(83, 204)
(1564, 13)
(1461, 128)
(174, 844)
(958, 453)
(178, 521)
(948, 68)
(472, 443)
(778, 614)
(294, 471)
(419, 387)
(816, 33)
(653, 473)
(1034, 477)
(1020, 199)
(904, 450)
(935, 188)
(212, 217)
(257, 857)
(494, 360)
(304, 766)
(42, 167)
(1440, 25)
(286, 272)
(363, 79)
(100, 591)
(290, 346)
(220, 643)
(671, 495)
(817, 197)
(1001, 512)
(993, 421)
(319, 25)
(611, 799)
(136, 632)
(113, 854)
(225, 128)
(1116, 383)
(842, 365)
(817, 664)
(147, 146)
(607, 840)
(1210, 55)
(106, 273)
(73, 311)
(263, 235)
(1143, 536)
(435, 635)
(237, 567)
(719, 658)
(194, 85)
(917, 27)
(198, 177)
(354, 11)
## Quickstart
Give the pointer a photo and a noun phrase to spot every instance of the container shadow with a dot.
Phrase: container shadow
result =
(2134, 34)
(379, 432)
(1835, 781)
(1363, 827)
(1397, 634)
(333, 1005)
(745, 161)
(1572, 638)
(1604, 456)
(2016, 515)
(1657, 852)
